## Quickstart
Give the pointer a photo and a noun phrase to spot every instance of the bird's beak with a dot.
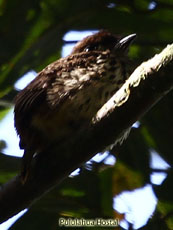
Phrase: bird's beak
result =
(125, 42)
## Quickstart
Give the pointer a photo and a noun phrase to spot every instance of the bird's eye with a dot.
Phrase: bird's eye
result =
(87, 49)
(90, 48)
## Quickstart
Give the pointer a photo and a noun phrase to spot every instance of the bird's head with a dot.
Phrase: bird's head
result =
(102, 41)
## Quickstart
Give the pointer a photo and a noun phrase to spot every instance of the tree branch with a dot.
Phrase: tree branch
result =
(148, 84)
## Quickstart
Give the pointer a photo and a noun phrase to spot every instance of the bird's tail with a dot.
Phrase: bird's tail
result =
(26, 165)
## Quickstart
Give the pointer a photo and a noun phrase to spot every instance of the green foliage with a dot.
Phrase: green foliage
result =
(3, 112)
(9, 166)
(31, 37)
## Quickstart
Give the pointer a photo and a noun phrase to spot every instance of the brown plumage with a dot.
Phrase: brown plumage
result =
(68, 93)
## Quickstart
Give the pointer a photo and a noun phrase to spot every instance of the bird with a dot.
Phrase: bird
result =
(66, 94)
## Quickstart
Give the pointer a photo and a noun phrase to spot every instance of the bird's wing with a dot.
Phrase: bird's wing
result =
(29, 97)
(34, 95)
(55, 83)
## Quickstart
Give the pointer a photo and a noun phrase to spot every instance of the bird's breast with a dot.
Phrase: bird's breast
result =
(88, 89)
